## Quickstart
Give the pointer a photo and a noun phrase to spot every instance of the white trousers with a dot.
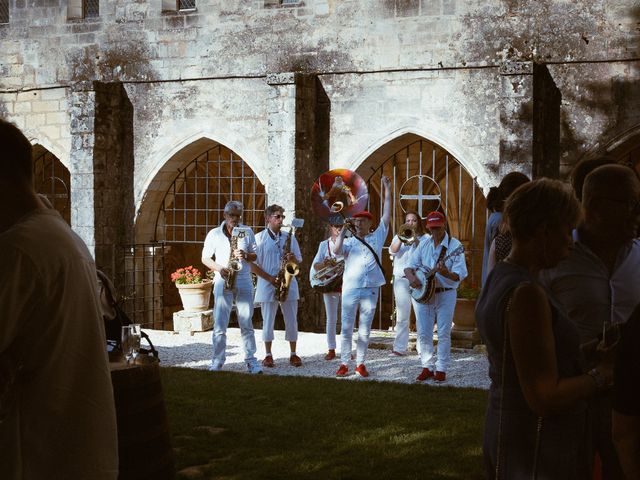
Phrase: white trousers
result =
(404, 301)
(289, 312)
(331, 305)
(364, 300)
(439, 311)
(223, 302)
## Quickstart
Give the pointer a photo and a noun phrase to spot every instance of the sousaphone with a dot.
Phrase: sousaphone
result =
(336, 196)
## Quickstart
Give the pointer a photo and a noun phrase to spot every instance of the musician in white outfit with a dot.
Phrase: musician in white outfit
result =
(271, 243)
(362, 279)
(400, 253)
(449, 272)
(325, 258)
(216, 255)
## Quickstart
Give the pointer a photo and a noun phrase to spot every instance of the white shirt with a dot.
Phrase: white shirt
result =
(401, 257)
(270, 252)
(589, 294)
(218, 246)
(63, 424)
(426, 256)
(360, 267)
(325, 250)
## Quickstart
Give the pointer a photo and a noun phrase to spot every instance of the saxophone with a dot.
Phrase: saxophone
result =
(234, 265)
(287, 271)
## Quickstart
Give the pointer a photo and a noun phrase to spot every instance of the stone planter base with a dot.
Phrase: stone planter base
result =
(464, 333)
(190, 322)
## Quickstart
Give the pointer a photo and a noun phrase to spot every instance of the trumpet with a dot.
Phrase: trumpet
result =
(407, 234)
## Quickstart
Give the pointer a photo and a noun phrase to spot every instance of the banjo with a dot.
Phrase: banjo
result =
(426, 277)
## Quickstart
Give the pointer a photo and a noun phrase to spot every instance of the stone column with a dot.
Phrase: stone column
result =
(530, 118)
(516, 117)
(113, 166)
(82, 111)
(298, 129)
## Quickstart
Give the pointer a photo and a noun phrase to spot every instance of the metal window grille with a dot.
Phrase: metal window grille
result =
(194, 203)
(186, 4)
(91, 8)
(4, 11)
(461, 199)
(52, 179)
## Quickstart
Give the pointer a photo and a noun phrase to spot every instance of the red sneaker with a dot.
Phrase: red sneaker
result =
(440, 376)
(268, 362)
(424, 375)
(295, 360)
(331, 354)
(362, 370)
(342, 371)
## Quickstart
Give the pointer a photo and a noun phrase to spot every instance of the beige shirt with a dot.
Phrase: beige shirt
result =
(59, 420)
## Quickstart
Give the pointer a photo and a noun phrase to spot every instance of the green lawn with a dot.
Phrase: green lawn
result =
(236, 426)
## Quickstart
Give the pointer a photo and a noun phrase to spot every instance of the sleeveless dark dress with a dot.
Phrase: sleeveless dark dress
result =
(530, 447)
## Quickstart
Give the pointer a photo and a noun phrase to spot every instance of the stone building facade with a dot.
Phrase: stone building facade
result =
(126, 93)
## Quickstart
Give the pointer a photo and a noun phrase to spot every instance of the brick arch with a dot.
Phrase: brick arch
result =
(387, 140)
(53, 180)
(176, 158)
(403, 157)
(40, 140)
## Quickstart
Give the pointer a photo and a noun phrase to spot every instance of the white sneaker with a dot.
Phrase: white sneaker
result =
(254, 368)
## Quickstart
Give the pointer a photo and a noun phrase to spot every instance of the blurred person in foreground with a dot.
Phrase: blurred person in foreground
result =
(598, 284)
(535, 417)
(57, 414)
(626, 398)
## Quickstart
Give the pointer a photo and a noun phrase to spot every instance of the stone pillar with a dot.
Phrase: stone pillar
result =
(546, 124)
(530, 118)
(113, 166)
(516, 117)
(82, 111)
(298, 127)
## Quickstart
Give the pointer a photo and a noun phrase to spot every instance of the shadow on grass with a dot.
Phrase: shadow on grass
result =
(233, 426)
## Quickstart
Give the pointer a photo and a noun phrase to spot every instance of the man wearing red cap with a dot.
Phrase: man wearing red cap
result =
(362, 279)
(449, 272)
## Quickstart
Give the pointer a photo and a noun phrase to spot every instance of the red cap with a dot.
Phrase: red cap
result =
(435, 219)
(363, 214)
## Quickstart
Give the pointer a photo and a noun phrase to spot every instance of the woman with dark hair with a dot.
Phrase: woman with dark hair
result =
(400, 252)
(495, 201)
(536, 411)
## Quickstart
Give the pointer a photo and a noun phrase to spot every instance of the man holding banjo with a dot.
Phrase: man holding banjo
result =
(440, 262)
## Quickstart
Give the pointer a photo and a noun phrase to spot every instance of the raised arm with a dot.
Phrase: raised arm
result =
(386, 209)
(337, 249)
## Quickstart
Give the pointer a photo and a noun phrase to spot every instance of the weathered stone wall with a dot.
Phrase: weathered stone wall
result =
(238, 72)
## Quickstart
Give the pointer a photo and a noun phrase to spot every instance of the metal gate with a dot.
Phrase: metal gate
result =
(460, 198)
(192, 205)
(52, 179)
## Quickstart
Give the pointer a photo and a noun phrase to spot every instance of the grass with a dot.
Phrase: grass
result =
(245, 427)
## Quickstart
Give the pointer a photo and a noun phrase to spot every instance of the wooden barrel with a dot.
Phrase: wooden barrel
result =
(144, 443)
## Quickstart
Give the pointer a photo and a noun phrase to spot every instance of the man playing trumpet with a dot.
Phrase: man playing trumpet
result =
(362, 279)
(409, 237)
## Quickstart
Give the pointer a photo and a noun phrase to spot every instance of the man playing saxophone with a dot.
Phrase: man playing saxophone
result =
(218, 255)
(274, 250)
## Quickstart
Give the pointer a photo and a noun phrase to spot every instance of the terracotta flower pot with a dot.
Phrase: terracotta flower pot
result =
(464, 317)
(195, 296)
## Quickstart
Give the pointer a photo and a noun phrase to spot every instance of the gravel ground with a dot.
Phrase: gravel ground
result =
(468, 369)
